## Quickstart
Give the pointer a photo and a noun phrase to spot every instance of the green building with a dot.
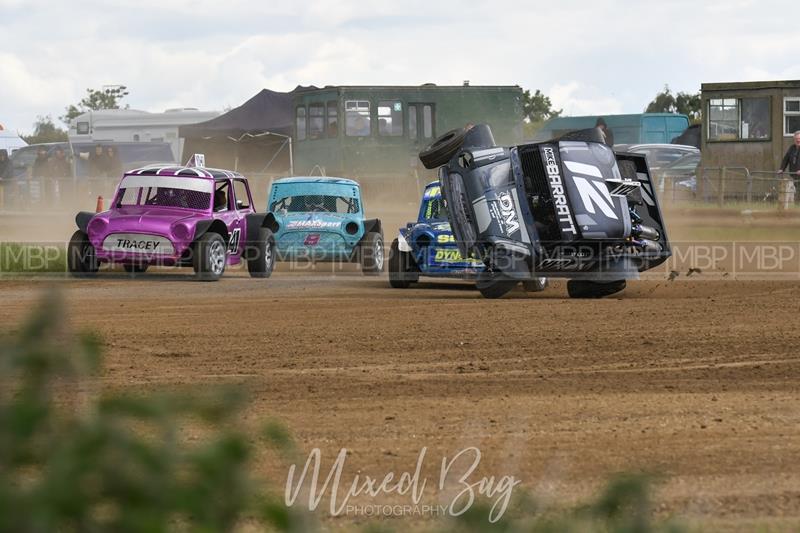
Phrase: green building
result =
(367, 132)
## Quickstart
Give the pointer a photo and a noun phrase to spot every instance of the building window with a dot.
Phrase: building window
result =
(333, 118)
(427, 121)
(390, 118)
(791, 116)
(301, 123)
(357, 119)
(83, 128)
(412, 122)
(738, 119)
(316, 121)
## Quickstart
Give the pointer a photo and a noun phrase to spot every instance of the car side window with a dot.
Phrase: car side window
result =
(221, 196)
(242, 199)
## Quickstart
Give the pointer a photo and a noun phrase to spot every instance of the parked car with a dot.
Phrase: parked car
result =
(181, 216)
(658, 155)
(569, 208)
(322, 220)
(678, 179)
(427, 248)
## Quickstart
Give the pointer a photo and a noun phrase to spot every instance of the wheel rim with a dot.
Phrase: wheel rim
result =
(268, 255)
(217, 258)
(379, 255)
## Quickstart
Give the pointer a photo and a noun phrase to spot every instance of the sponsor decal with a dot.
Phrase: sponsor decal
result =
(595, 193)
(452, 255)
(312, 224)
(508, 212)
(312, 239)
(433, 192)
(445, 238)
(557, 190)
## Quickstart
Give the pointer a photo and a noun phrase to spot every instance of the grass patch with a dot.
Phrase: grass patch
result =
(29, 258)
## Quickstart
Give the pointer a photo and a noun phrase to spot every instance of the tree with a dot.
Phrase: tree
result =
(537, 108)
(45, 131)
(106, 98)
(684, 103)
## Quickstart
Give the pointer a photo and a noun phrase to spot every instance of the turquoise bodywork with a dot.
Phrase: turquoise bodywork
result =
(326, 231)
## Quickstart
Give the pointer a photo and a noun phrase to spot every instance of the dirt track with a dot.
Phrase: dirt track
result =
(696, 381)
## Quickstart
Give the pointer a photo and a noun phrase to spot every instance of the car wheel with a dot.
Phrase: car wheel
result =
(442, 149)
(81, 257)
(372, 254)
(581, 288)
(135, 268)
(210, 257)
(401, 267)
(262, 262)
(494, 285)
(535, 285)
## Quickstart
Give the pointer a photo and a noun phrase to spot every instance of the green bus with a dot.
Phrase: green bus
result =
(366, 132)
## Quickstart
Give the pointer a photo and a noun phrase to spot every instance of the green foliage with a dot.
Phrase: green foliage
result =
(22, 258)
(537, 109)
(45, 131)
(106, 98)
(73, 458)
(684, 103)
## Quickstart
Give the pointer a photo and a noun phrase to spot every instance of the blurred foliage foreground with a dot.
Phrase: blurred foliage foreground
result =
(76, 458)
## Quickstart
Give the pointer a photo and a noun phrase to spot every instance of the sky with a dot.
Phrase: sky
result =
(588, 57)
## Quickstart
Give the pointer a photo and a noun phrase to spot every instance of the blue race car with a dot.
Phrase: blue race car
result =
(322, 220)
(427, 248)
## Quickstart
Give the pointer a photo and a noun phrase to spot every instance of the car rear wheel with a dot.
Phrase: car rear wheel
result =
(401, 267)
(494, 285)
(372, 254)
(442, 149)
(262, 260)
(581, 288)
(81, 257)
(209, 257)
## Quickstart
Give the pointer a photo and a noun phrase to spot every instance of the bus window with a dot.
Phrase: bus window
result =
(301, 123)
(333, 118)
(357, 119)
(390, 118)
(316, 121)
(427, 121)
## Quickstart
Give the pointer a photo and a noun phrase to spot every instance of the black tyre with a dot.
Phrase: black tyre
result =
(137, 268)
(579, 288)
(261, 261)
(442, 149)
(81, 257)
(371, 254)
(402, 269)
(496, 288)
(210, 257)
(535, 285)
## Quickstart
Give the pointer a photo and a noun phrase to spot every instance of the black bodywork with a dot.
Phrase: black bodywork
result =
(569, 207)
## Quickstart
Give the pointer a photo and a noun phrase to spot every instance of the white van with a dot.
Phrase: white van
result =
(132, 125)
(10, 141)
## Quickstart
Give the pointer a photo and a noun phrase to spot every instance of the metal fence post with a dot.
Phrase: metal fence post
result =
(721, 187)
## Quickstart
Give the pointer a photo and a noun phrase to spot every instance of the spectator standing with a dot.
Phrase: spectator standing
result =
(98, 163)
(113, 163)
(5, 165)
(791, 161)
(608, 135)
(60, 166)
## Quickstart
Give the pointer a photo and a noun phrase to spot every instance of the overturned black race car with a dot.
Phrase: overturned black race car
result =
(569, 207)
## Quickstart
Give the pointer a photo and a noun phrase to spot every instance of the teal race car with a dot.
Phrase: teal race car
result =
(321, 219)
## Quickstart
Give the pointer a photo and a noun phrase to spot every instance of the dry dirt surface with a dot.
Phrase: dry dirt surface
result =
(696, 381)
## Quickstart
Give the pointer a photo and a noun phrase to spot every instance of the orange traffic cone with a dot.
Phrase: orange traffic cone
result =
(99, 207)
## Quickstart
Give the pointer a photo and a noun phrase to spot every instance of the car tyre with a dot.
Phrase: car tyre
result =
(371, 252)
(442, 149)
(262, 261)
(81, 257)
(401, 267)
(581, 288)
(210, 257)
(535, 285)
(494, 285)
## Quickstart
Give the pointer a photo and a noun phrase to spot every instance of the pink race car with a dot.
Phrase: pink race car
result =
(176, 216)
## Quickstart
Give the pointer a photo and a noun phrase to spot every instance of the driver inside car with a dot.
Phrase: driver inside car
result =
(220, 200)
